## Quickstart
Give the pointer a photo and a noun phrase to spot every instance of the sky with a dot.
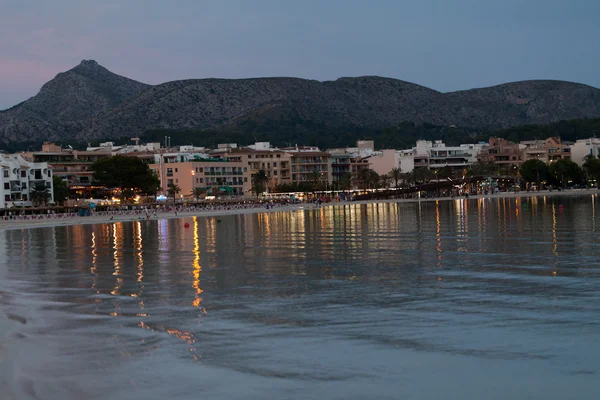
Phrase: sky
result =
(442, 44)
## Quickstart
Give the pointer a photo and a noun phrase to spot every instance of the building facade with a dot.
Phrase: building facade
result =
(547, 150)
(310, 165)
(20, 178)
(501, 152)
(72, 166)
(215, 176)
(583, 148)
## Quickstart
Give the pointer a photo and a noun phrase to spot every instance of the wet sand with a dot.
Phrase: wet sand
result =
(102, 219)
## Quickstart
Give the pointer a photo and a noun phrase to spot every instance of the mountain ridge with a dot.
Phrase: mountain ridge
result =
(89, 102)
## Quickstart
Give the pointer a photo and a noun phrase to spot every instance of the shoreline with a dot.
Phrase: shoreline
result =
(105, 219)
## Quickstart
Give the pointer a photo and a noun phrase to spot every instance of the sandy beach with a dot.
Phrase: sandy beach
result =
(102, 219)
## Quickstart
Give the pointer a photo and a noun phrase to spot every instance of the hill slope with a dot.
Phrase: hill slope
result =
(90, 102)
(66, 103)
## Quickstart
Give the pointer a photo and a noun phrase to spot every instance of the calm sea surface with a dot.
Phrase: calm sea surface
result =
(478, 299)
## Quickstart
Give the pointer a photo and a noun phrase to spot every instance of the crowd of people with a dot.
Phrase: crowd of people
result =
(141, 211)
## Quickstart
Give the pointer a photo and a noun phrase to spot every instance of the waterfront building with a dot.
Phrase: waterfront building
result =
(583, 148)
(225, 176)
(262, 156)
(72, 166)
(309, 164)
(504, 154)
(383, 161)
(436, 155)
(547, 150)
(19, 178)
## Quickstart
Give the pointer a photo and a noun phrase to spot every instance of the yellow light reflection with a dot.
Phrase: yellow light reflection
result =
(197, 268)
(138, 243)
(117, 231)
(93, 268)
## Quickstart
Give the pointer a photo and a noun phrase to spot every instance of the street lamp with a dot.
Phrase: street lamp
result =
(193, 174)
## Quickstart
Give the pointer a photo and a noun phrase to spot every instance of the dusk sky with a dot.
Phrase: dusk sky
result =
(445, 44)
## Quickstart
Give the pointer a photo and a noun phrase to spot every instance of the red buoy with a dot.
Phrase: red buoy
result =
(186, 225)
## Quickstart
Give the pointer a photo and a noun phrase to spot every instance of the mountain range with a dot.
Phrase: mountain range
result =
(90, 102)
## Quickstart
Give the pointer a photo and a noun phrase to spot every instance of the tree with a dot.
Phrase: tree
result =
(564, 171)
(534, 171)
(174, 190)
(315, 177)
(124, 172)
(591, 166)
(61, 190)
(197, 192)
(422, 175)
(395, 175)
(384, 181)
(482, 168)
(260, 180)
(368, 177)
(40, 194)
(445, 173)
(345, 182)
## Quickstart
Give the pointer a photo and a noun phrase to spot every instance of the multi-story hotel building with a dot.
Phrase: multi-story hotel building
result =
(19, 177)
(503, 153)
(225, 176)
(309, 164)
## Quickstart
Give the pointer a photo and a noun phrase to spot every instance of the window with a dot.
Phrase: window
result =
(201, 180)
(278, 156)
(48, 185)
(6, 186)
(245, 179)
(24, 185)
(245, 169)
(49, 173)
(275, 173)
(7, 197)
(24, 197)
(23, 173)
(274, 165)
(201, 169)
(169, 171)
(6, 171)
(176, 170)
(197, 180)
(169, 182)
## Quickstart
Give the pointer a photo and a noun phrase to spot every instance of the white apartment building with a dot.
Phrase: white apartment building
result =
(583, 148)
(435, 154)
(18, 177)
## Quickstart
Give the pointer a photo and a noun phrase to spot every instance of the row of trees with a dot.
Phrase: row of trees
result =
(561, 173)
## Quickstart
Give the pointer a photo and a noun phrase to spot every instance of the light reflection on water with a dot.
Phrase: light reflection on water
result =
(488, 298)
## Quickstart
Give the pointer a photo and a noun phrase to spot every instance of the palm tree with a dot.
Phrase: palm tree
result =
(396, 175)
(363, 175)
(315, 177)
(260, 180)
(345, 181)
(384, 181)
(40, 194)
(197, 192)
(367, 177)
(174, 190)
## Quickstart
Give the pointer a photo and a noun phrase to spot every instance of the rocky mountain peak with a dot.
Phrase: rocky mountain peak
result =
(89, 101)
